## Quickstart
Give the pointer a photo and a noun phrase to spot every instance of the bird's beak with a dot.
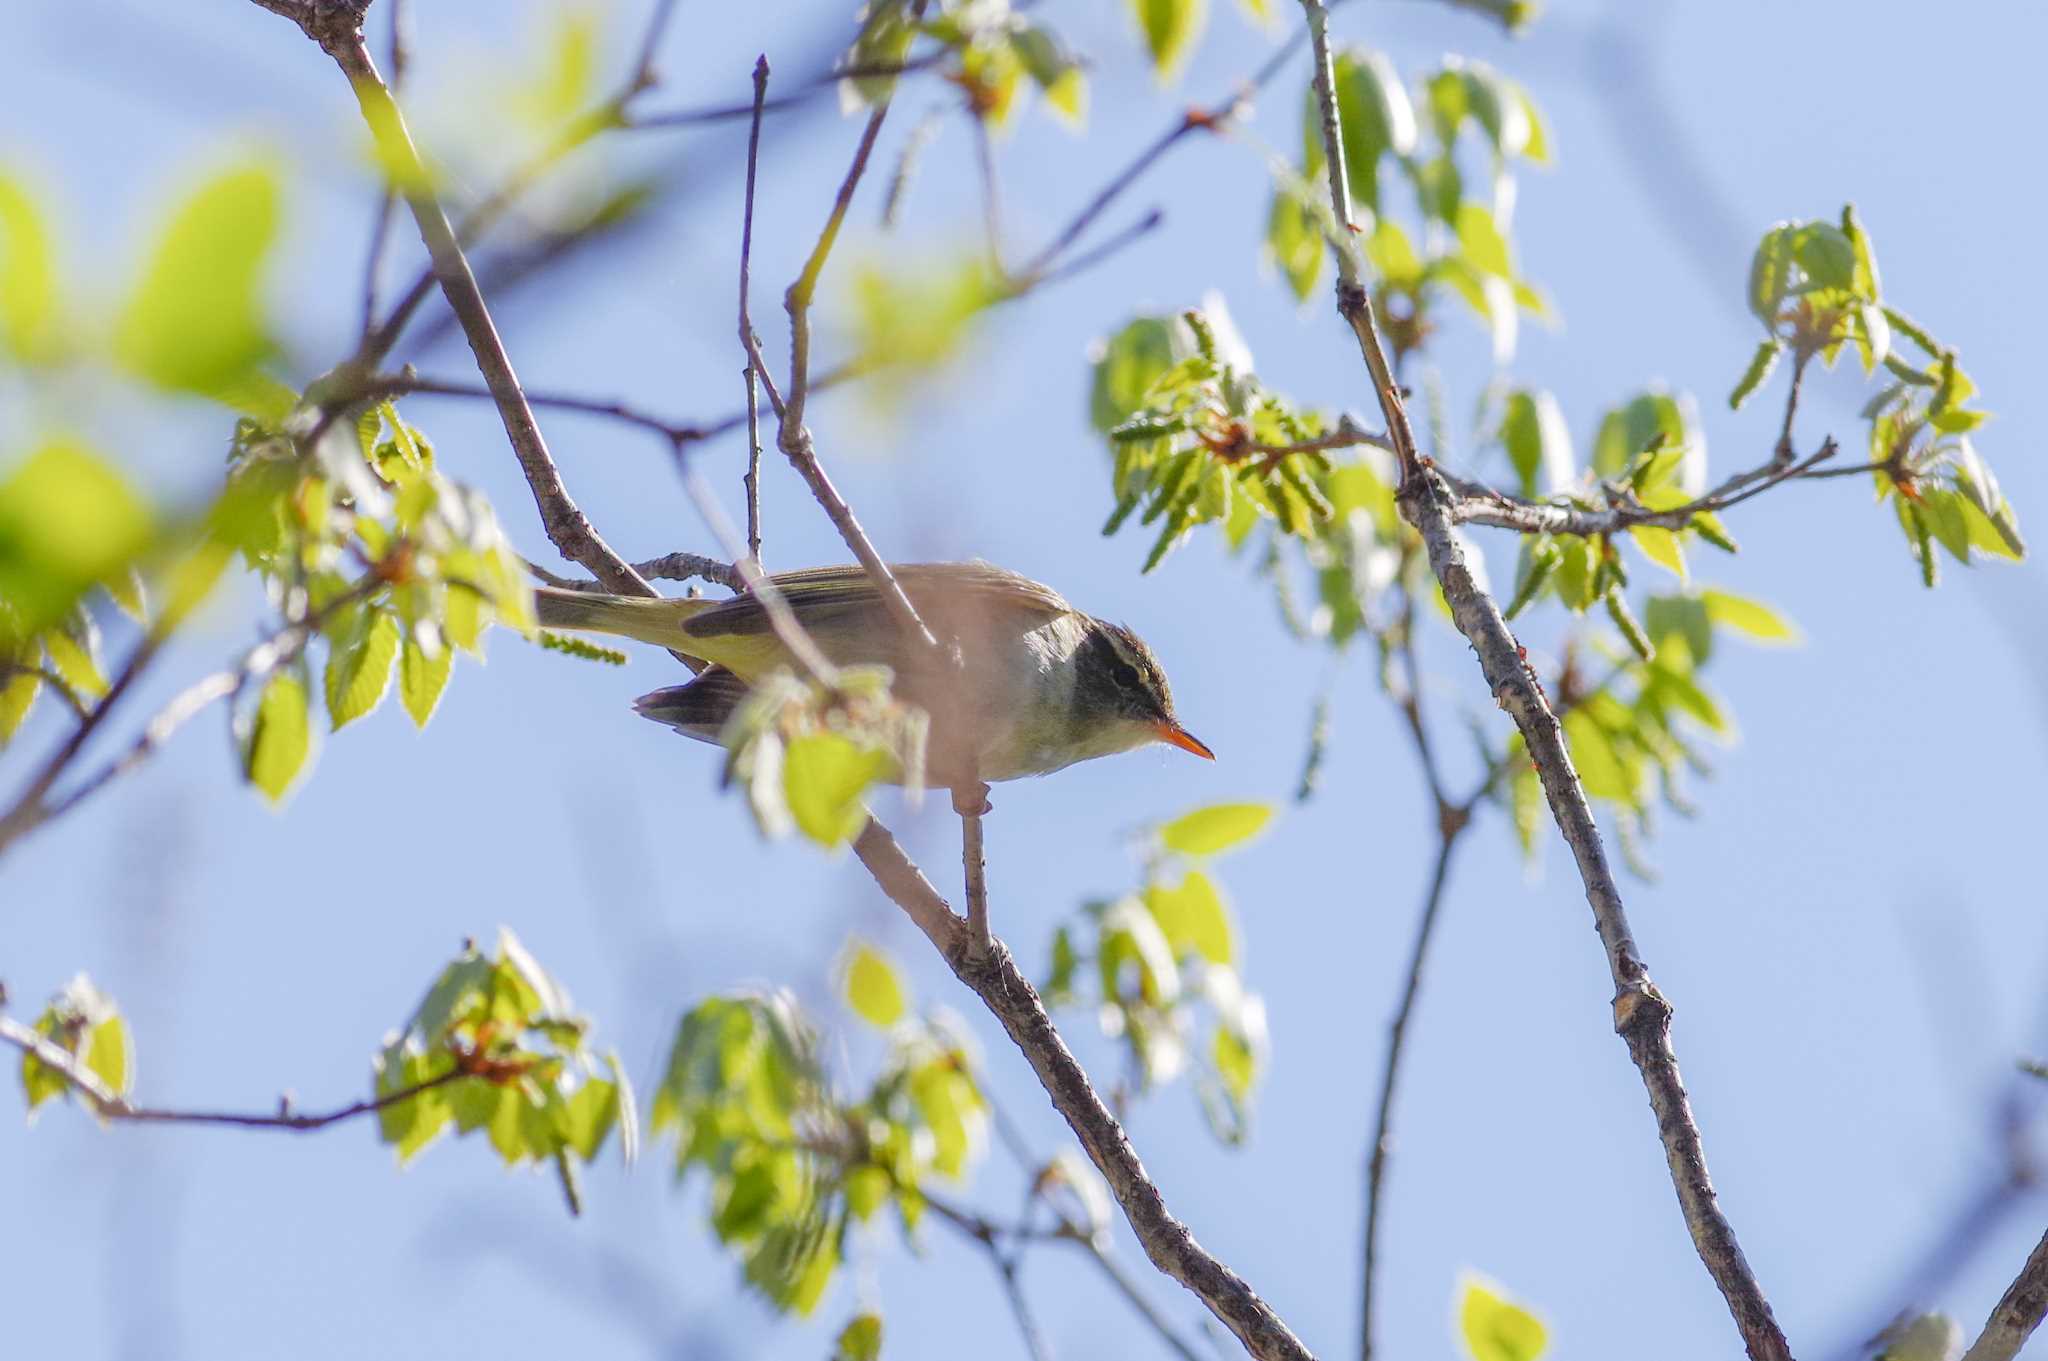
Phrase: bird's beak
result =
(1173, 734)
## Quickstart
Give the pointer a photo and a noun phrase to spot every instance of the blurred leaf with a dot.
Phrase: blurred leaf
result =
(1170, 28)
(195, 320)
(1592, 751)
(1752, 617)
(1374, 115)
(18, 692)
(75, 663)
(1494, 1329)
(567, 81)
(1207, 831)
(68, 521)
(1125, 367)
(1192, 916)
(1760, 365)
(873, 987)
(1294, 242)
(1532, 430)
(884, 41)
(824, 776)
(281, 738)
(1661, 546)
(860, 1339)
(28, 277)
(359, 666)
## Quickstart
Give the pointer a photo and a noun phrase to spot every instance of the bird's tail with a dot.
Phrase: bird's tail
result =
(648, 619)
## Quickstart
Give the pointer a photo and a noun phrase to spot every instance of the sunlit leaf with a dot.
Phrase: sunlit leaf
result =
(824, 776)
(1170, 28)
(1752, 617)
(1207, 831)
(1494, 1328)
(281, 738)
(422, 676)
(1192, 916)
(873, 987)
(68, 521)
(195, 322)
(359, 666)
(28, 276)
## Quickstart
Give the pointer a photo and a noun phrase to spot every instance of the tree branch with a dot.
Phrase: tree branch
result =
(1642, 1016)
(1010, 997)
(110, 1105)
(566, 526)
(749, 342)
(2018, 1313)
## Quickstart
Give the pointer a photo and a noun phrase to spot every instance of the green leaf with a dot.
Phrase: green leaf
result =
(1592, 751)
(1532, 430)
(1125, 366)
(952, 1110)
(873, 988)
(1496, 1329)
(359, 666)
(823, 777)
(886, 32)
(75, 663)
(195, 320)
(1170, 28)
(68, 521)
(1660, 546)
(1294, 242)
(568, 80)
(1625, 620)
(1192, 917)
(422, 676)
(281, 738)
(1760, 365)
(18, 691)
(28, 277)
(860, 1339)
(108, 1052)
(1752, 617)
(1770, 273)
(1216, 828)
(1479, 237)
(1053, 67)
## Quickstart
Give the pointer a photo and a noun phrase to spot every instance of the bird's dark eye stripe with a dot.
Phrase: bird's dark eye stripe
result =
(1126, 675)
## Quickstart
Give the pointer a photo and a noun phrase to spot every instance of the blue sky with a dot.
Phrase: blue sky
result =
(1850, 931)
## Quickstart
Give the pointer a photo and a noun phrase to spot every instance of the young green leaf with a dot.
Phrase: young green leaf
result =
(1207, 831)
(28, 277)
(1193, 918)
(359, 666)
(1760, 365)
(1170, 28)
(1494, 1328)
(68, 521)
(824, 776)
(860, 1339)
(1751, 617)
(281, 738)
(195, 321)
(422, 676)
(873, 988)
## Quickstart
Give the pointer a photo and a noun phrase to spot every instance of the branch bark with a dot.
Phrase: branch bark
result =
(2018, 1313)
(1642, 1016)
(1010, 997)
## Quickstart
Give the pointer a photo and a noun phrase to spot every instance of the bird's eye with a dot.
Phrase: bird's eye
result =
(1126, 676)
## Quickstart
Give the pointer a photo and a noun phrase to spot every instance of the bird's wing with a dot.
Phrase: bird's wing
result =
(955, 592)
(698, 709)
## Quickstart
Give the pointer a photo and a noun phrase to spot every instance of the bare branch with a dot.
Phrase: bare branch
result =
(110, 1105)
(2018, 1312)
(668, 567)
(750, 342)
(1642, 1016)
(1010, 997)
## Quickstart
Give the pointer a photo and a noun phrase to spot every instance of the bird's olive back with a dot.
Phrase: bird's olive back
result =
(1116, 676)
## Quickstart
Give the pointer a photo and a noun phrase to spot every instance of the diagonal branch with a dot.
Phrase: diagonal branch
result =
(111, 1105)
(2018, 1313)
(1010, 997)
(1642, 1016)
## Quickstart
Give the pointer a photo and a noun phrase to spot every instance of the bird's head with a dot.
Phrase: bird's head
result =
(1119, 687)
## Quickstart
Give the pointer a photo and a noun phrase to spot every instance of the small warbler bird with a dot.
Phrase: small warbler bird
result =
(1040, 685)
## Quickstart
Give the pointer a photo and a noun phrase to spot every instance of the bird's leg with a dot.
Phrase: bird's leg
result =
(971, 801)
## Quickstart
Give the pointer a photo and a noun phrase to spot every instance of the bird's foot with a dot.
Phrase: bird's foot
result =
(972, 801)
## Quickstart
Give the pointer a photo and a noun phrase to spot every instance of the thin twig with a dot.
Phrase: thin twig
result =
(1010, 997)
(2018, 1313)
(991, 198)
(750, 342)
(111, 1105)
(609, 114)
(1641, 1014)
(611, 408)
(668, 567)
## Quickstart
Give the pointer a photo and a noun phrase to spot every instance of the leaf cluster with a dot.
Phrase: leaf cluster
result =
(1161, 967)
